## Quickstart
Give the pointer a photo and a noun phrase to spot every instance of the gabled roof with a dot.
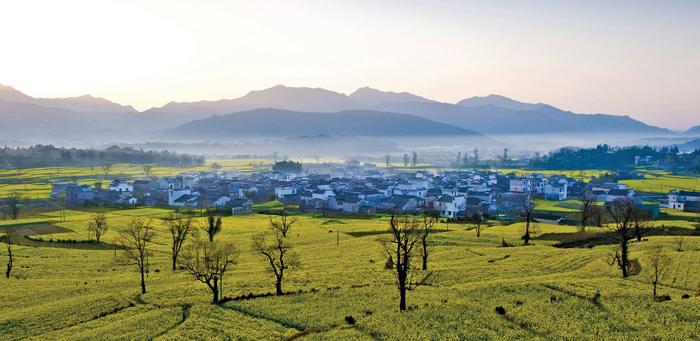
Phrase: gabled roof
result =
(446, 198)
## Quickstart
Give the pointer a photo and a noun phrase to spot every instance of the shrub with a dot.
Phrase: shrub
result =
(662, 298)
(500, 310)
(349, 319)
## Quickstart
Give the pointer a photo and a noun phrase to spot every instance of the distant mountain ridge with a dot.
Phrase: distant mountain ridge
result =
(693, 131)
(286, 123)
(492, 114)
(85, 103)
(370, 97)
(498, 101)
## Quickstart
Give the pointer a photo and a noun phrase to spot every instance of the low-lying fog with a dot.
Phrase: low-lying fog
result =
(430, 148)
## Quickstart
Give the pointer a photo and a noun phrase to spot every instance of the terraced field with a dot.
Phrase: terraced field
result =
(67, 291)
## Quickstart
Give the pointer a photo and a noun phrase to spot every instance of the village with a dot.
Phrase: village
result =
(363, 189)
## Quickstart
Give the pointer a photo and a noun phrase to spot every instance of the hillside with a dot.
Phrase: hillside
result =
(491, 119)
(693, 131)
(278, 97)
(285, 123)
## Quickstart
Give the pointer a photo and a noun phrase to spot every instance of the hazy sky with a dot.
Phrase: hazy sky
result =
(639, 58)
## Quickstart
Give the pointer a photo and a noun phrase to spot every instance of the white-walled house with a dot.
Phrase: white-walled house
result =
(175, 194)
(322, 194)
(449, 206)
(281, 192)
(520, 185)
(678, 200)
(222, 201)
(555, 191)
(120, 186)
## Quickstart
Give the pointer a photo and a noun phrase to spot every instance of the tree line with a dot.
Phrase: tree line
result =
(50, 156)
(606, 157)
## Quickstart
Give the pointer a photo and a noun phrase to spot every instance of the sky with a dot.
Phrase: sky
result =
(637, 58)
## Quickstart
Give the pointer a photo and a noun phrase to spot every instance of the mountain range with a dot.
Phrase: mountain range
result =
(277, 122)
(365, 110)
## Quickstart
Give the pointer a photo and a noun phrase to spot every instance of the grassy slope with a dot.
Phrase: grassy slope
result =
(67, 293)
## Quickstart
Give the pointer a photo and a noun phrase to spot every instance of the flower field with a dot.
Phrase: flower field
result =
(66, 291)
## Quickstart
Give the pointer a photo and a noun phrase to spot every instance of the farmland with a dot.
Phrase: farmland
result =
(70, 290)
(35, 183)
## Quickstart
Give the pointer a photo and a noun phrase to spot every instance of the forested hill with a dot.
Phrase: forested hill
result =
(48, 156)
(606, 157)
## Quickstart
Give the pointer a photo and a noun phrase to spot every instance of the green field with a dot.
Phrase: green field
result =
(662, 182)
(35, 183)
(71, 291)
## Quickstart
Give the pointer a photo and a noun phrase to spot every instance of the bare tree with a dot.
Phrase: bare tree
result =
(587, 203)
(148, 170)
(208, 262)
(98, 226)
(425, 229)
(10, 256)
(406, 159)
(212, 226)
(277, 252)
(387, 160)
(679, 243)
(284, 224)
(106, 169)
(659, 265)
(598, 214)
(527, 210)
(14, 204)
(134, 243)
(642, 220)
(405, 234)
(621, 211)
(414, 159)
(476, 218)
(180, 228)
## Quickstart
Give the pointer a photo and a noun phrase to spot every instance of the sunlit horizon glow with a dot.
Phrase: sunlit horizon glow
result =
(636, 58)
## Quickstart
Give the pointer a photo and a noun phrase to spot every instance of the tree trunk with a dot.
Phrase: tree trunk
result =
(526, 237)
(425, 261)
(143, 283)
(10, 259)
(215, 292)
(638, 232)
(402, 302)
(278, 286)
(174, 263)
(624, 250)
(654, 283)
(478, 232)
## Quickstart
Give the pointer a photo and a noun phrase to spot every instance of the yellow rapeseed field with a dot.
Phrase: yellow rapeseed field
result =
(72, 291)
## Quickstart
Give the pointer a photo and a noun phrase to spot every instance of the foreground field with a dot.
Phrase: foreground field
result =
(77, 291)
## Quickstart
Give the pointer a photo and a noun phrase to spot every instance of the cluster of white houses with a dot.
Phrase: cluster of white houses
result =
(351, 188)
(683, 201)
